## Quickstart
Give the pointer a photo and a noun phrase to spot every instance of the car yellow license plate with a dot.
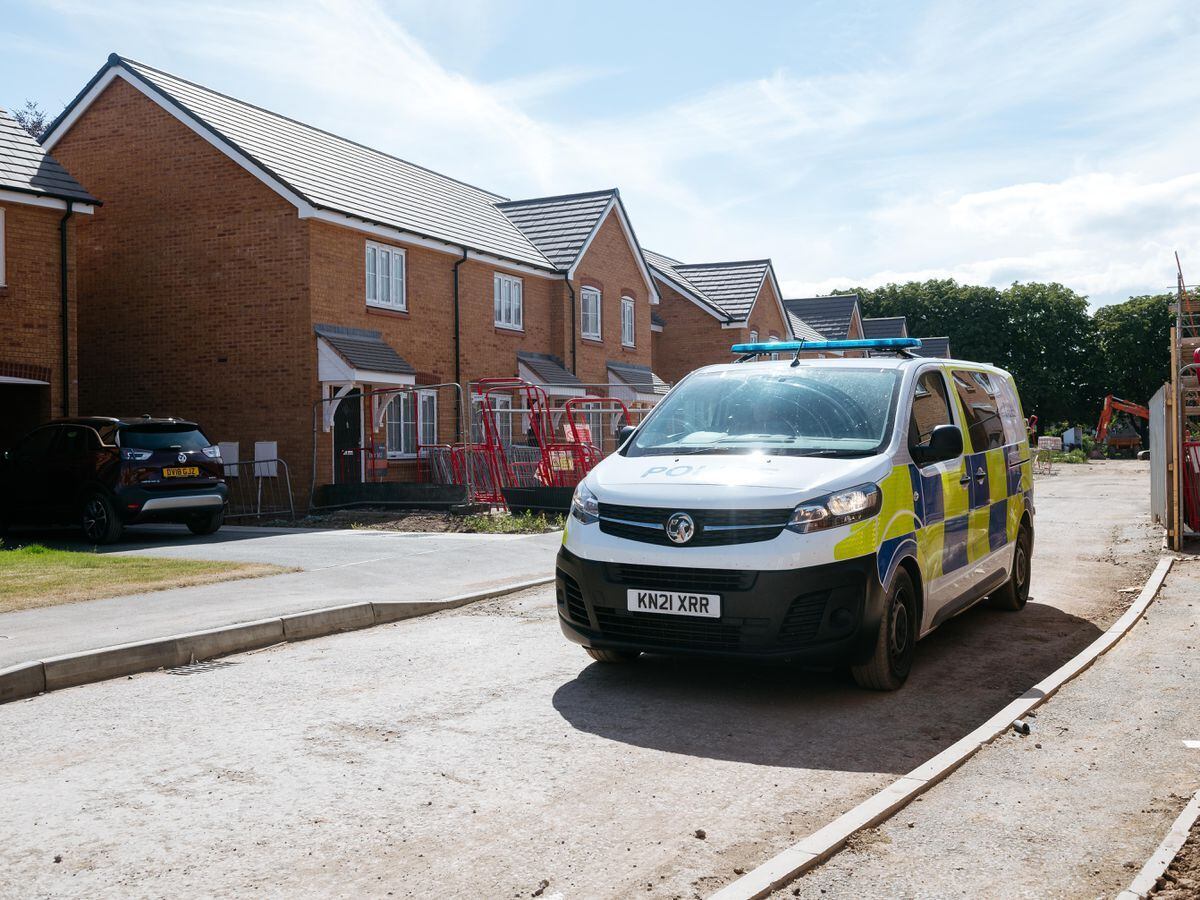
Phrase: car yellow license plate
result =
(182, 472)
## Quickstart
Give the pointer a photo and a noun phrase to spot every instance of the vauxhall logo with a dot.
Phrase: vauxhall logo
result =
(680, 528)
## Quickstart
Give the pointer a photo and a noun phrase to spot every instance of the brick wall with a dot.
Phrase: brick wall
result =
(610, 265)
(30, 310)
(193, 287)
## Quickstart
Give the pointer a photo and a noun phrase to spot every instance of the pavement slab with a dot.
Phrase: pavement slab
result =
(338, 567)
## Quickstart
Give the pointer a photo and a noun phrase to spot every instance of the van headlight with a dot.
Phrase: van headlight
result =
(584, 505)
(839, 508)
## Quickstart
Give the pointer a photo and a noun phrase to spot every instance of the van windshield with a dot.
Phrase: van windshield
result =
(806, 411)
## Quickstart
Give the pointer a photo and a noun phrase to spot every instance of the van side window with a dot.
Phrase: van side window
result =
(930, 408)
(978, 396)
(1010, 412)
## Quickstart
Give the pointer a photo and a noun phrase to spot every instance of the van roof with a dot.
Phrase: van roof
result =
(869, 362)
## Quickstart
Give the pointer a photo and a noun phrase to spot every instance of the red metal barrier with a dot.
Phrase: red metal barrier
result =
(1191, 484)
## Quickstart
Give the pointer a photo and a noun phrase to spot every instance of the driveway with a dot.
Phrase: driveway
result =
(342, 566)
(477, 753)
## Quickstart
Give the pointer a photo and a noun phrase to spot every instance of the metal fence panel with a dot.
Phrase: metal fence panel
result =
(1158, 456)
(259, 488)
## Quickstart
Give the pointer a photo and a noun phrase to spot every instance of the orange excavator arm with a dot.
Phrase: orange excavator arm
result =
(1113, 404)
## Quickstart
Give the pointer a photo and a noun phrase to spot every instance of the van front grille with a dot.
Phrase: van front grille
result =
(714, 527)
(670, 578)
(668, 631)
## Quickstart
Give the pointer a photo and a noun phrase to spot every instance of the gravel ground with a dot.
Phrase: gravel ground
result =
(477, 753)
(1073, 809)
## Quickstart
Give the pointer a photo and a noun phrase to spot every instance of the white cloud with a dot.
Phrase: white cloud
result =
(1050, 141)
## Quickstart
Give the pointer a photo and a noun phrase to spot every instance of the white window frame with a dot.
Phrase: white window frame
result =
(508, 302)
(628, 323)
(502, 407)
(586, 294)
(421, 423)
(386, 290)
(753, 337)
(3, 283)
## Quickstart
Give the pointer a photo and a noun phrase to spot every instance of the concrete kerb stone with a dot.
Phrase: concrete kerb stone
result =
(69, 670)
(810, 852)
(22, 680)
(1161, 858)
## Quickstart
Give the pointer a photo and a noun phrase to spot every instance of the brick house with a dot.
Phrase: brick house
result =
(708, 307)
(897, 327)
(40, 205)
(270, 274)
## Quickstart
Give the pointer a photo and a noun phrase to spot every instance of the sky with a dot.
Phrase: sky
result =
(853, 143)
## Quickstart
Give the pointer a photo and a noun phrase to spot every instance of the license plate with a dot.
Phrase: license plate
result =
(182, 472)
(674, 603)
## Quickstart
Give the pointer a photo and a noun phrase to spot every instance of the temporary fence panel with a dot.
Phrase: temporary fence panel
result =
(1191, 485)
(1158, 456)
(259, 488)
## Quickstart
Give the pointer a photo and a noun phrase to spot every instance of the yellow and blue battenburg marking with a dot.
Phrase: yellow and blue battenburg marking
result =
(943, 522)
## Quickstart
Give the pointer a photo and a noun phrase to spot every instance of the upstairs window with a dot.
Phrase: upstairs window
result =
(385, 277)
(507, 302)
(589, 318)
(753, 337)
(627, 330)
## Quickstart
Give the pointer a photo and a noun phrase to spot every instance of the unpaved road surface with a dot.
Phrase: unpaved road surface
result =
(477, 753)
(1071, 810)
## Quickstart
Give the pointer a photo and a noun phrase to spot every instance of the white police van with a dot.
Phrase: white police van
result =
(828, 510)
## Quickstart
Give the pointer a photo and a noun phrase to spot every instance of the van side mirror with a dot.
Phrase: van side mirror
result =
(624, 433)
(945, 442)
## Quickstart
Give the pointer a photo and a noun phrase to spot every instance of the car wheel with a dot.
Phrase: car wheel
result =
(896, 642)
(100, 522)
(1015, 592)
(207, 523)
(612, 656)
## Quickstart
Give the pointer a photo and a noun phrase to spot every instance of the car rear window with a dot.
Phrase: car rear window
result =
(163, 437)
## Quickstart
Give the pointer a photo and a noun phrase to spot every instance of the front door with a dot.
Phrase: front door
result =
(347, 439)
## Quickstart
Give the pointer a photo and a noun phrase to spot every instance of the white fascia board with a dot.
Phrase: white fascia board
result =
(10, 379)
(745, 323)
(119, 71)
(685, 292)
(654, 327)
(615, 202)
(390, 379)
(44, 201)
(406, 237)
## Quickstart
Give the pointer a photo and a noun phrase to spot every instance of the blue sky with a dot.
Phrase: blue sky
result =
(854, 143)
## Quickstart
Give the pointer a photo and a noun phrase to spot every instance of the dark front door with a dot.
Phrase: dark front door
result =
(347, 439)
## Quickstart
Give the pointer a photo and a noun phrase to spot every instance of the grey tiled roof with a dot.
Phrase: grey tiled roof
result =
(27, 168)
(886, 327)
(656, 319)
(934, 346)
(548, 369)
(364, 349)
(732, 286)
(831, 316)
(336, 174)
(558, 226)
(665, 266)
(638, 377)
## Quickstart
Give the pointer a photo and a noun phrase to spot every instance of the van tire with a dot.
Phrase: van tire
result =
(612, 656)
(1014, 593)
(207, 523)
(99, 519)
(891, 660)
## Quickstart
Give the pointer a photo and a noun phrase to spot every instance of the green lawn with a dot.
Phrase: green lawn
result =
(33, 576)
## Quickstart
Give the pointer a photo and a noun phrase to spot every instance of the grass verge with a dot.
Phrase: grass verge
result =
(34, 576)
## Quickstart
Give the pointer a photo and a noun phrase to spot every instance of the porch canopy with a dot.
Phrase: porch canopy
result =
(353, 357)
(635, 384)
(548, 373)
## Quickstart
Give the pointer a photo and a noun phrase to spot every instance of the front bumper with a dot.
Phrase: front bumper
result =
(824, 614)
(138, 504)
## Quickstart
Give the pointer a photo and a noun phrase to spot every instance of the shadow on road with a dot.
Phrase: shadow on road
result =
(135, 537)
(779, 715)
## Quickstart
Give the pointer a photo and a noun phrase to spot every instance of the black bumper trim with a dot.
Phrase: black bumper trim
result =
(820, 614)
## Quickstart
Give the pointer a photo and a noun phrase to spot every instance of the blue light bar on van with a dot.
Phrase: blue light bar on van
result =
(799, 346)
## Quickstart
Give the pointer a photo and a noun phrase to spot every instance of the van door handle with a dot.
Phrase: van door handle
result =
(980, 474)
(965, 479)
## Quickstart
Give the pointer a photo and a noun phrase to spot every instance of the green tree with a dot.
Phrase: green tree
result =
(1133, 344)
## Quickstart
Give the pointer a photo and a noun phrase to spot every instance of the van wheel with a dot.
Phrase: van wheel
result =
(896, 642)
(1014, 594)
(612, 656)
(100, 522)
(207, 523)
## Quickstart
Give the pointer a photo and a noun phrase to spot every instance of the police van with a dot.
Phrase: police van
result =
(827, 510)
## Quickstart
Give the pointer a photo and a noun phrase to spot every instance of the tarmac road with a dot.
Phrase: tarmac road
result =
(476, 753)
